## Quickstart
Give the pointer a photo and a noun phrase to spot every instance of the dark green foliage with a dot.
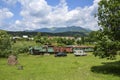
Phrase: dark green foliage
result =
(45, 40)
(31, 34)
(79, 42)
(42, 40)
(82, 40)
(106, 48)
(23, 49)
(38, 36)
(109, 36)
(64, 41)
(92, 36)
(109, 18)
(5, 44)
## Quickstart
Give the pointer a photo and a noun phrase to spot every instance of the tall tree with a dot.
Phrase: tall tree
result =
(109, 34)
(5, 44)
(38, 36)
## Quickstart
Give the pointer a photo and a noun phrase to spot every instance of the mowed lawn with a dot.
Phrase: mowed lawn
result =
(61, 68)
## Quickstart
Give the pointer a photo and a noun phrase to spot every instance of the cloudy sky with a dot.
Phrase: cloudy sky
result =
(34, 14)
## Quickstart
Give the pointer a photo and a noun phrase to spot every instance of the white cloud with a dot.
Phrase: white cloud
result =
(35, 8)
(10, 2)
(38, 14)
(5, 14)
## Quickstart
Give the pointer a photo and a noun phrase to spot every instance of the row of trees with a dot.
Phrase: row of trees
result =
(62, 41)
(53, 41)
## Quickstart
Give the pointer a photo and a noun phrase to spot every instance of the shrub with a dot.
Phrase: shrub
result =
(5, 44)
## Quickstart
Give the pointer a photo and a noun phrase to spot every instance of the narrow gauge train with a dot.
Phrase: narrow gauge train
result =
(55, 49)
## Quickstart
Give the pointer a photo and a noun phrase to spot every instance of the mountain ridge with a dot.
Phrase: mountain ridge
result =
(63, 29)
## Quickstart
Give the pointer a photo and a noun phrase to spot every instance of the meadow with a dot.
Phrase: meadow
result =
(61, 68)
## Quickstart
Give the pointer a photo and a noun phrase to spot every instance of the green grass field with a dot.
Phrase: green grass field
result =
(61, 68)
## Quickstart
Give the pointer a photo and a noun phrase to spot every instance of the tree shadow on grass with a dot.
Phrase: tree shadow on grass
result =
(108, 68)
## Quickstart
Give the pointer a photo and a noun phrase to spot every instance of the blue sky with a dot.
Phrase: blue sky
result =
(72, 3)
(34, 14)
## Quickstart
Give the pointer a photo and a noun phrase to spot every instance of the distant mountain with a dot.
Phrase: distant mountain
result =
(63, 29)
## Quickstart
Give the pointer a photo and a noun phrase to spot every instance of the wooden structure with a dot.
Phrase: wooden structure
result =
(55, 49)
(63, 49)
(84, 48)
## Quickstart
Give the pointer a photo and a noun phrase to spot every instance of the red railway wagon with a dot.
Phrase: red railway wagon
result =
(63, 49)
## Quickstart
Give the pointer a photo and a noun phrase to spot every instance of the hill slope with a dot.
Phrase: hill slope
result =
(21, 33)
(63, 29)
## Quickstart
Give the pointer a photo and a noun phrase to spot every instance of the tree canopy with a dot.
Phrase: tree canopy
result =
(109, 35)
(5, 44)
(109, 18)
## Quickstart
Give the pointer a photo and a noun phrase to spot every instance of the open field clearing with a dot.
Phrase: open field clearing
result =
(61, 68)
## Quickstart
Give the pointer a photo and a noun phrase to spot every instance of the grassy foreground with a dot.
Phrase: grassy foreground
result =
(61, 68)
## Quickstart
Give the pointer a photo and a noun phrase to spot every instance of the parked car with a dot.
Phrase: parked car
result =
(60, 54)
(79, 53)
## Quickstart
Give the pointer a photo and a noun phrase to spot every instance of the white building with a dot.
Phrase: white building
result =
(25, 36)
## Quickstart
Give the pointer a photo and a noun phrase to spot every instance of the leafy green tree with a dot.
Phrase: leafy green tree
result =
(61, 41)
(5, 44)
(76, 36)
(109, 34)
(109, 18)
(78, 42)
(82, 40)
(38, 36)
(92, 36)
(105, 47)
(70, 41)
